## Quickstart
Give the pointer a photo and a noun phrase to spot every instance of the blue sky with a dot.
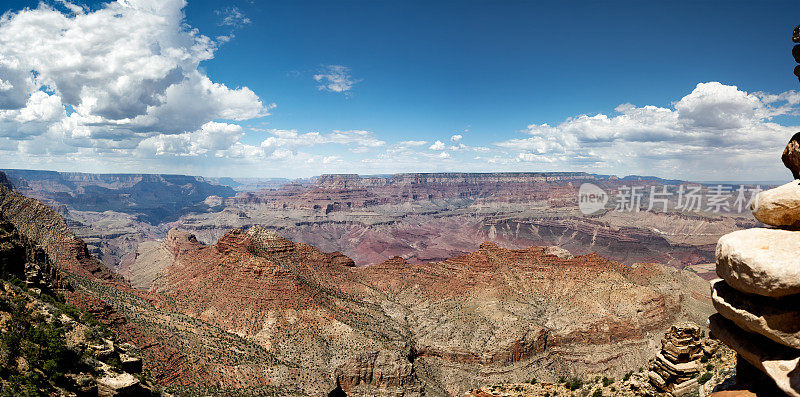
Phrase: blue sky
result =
(490, 71)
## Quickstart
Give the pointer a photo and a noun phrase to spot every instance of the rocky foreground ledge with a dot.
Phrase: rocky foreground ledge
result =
(758, 296)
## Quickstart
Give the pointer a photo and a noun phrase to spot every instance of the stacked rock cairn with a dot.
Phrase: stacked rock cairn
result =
(758, 296)
(677, 365)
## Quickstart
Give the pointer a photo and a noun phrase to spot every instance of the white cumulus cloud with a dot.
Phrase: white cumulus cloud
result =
(438, 145)
(714, 129)
(128, 70)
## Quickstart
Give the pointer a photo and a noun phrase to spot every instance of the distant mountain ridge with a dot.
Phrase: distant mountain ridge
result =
(157, 198)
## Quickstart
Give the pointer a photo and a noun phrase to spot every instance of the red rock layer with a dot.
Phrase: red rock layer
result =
(283, 294)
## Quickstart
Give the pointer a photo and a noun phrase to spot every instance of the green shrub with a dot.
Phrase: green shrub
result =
(704, 378)
(597, 393)
(607, 381)
(114, 362)
(574, 384)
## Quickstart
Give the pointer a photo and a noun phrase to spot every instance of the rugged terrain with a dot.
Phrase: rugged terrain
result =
(439, 328)
(49, 347)
(256, 311)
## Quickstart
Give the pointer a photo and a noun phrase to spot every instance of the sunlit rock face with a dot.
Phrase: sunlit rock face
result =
(398, 327)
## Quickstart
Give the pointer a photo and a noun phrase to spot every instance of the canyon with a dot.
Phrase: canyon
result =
(420, 217)
(254, 309)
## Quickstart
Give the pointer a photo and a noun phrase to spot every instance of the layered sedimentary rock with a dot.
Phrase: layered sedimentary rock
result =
(438, 328)
(776, 318)
(347, 191)
(676, 367)
(421, 217)
(777, 361)
(258, 310)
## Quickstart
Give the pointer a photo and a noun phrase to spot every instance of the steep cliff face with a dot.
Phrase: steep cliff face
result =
(45, 227)
(394, 327)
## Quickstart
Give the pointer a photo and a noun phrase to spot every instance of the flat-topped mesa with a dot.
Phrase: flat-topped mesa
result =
(343, 192)
(394, 261)
(675, 368)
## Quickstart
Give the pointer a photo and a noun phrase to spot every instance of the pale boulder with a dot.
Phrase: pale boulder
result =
(760, 261)
(780, 206)
(118, 385)
(777, 319)
(779, 362)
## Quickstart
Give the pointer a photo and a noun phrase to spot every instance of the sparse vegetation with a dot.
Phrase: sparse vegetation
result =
(704, 378)
(574, 384)
(34, 344)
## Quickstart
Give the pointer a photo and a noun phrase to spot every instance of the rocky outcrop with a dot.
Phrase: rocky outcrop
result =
(179, 242)
(777, 361)
(4, 182)
(760, 261)
(677, 365)
(758, 314)
(54, 347)
(791, 155)
(776, 318)
(397, 327)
